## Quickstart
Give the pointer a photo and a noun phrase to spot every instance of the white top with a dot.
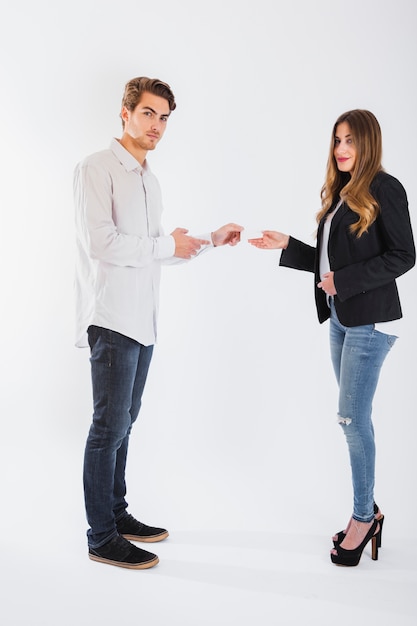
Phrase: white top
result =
(390, 328)
(120, 245)
(324, 266)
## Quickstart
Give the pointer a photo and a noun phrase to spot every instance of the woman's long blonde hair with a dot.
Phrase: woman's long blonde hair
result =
(354, 187)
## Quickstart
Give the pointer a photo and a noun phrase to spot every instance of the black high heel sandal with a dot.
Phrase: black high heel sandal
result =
(351, 558)
(341, 534)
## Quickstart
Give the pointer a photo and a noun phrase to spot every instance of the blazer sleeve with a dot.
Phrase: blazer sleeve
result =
(397, 247)
(298, 256)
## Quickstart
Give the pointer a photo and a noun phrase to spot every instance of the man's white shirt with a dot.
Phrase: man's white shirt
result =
(120, 245)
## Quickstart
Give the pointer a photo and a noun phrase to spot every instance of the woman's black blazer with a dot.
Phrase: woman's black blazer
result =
(365, 268)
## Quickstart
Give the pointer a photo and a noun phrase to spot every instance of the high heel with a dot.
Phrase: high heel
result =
(342, 534)
(351, 558)
(380, 521)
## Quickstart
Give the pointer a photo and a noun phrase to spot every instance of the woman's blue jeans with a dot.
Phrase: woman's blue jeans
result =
(119, 367)
(358, 353)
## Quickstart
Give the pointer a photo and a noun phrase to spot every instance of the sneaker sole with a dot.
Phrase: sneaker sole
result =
(151, 539)
(145, 565)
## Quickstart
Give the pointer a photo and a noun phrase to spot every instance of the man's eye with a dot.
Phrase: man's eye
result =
(164, 118)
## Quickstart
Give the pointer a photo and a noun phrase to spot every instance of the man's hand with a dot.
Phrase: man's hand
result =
(185, 246)
(228, 234)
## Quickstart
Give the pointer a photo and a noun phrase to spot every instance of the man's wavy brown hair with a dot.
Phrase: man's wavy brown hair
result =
(137, 86)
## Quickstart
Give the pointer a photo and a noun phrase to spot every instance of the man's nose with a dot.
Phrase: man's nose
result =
(156, 125)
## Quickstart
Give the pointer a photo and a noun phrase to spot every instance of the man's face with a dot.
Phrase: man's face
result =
(146, 124)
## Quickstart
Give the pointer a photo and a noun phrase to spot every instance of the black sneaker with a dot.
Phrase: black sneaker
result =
(118, 551)
(131, 529)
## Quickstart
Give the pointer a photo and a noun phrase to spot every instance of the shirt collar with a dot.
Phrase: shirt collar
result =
(126, 159)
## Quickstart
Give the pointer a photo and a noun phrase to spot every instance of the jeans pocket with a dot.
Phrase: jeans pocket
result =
(390, 339)
(101, 345)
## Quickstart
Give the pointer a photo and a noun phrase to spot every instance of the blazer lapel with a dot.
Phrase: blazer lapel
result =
(335, 220)
(337, 217)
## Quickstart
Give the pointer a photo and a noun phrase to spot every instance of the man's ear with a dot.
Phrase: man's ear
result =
(124, 114)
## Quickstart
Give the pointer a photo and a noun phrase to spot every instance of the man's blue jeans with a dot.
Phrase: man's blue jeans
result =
(119, 367)
(358, 353)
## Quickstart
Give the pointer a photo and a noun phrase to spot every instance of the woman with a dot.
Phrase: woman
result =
(364, 242)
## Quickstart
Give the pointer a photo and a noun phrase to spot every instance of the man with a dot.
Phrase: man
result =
(120, 248)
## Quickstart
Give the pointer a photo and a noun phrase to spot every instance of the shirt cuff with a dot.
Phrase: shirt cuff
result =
(207, 237)
(165, 247)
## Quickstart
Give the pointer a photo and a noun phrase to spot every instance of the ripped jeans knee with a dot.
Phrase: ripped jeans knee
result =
(343, 421)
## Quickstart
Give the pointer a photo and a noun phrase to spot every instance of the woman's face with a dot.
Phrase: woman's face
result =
(344, 148)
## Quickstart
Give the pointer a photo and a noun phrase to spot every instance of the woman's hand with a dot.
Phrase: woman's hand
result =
(327, 284)
(270, 240)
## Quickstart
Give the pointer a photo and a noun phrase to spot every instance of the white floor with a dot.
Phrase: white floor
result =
(208, 578)
(250, 511)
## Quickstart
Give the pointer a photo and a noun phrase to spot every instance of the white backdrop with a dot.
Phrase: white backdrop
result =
(238, 426)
